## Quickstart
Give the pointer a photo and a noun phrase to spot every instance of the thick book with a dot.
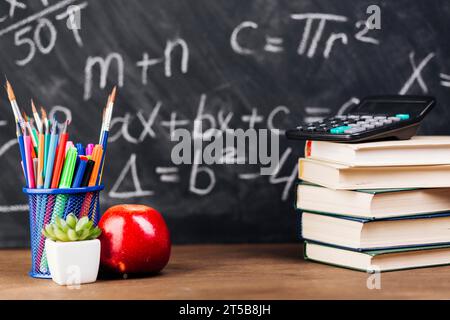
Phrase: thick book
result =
(419, 150)
(379, 260)
(372, 204)
(338, 176)
(364, 234)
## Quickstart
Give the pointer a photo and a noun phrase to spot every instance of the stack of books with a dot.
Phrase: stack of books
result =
(376, 206)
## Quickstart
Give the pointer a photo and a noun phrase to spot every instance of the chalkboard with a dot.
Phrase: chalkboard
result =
(255, 63)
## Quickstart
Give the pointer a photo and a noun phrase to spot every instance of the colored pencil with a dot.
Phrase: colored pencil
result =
(35, 170)
(69, 144)
(60, 157)
(80, 149)
(89, 149)
(83, 160)
(97, 157)
(33, 134)
(29, 161)
(87, 173)
(46, 128)
(84, 183)
(41, 153)
(66, 182)
(76, 183)
(51, 155)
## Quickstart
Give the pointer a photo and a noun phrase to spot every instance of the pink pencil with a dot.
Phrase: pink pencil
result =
(29, 161)
(89, 149)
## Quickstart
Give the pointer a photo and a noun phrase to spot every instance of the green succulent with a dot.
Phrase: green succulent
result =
(71, 229)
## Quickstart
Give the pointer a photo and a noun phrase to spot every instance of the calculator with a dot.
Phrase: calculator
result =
(374, 118)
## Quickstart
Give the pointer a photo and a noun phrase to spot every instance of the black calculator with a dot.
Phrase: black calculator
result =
(374, 118)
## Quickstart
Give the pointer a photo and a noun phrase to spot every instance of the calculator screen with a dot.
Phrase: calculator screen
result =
(413, 108)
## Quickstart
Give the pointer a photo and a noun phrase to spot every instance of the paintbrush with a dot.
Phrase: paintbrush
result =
(105, 130)
(103, 120)
(15, 108)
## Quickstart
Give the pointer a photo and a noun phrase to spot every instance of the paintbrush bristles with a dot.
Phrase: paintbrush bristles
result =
(43, 113)
(10, 91)
(24, 115)
(113, 94)
(44, 119)
(33, 107)
(37, 119)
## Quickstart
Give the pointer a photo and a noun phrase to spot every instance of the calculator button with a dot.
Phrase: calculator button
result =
(339, 130)
(312, 128)
(380, 117)
(387, 121)
(334, 131)
(366, 117)
(402, 116)
(354, 130)
(353, 117)
(394, 119)
(341, 117)
(369, 126)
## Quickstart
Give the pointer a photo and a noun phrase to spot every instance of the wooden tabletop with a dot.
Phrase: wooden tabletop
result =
(267, 271)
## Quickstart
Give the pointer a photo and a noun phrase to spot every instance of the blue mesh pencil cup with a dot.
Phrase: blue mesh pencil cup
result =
(45, 205)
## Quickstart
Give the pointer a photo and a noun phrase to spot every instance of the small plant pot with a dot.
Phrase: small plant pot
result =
(73, 263)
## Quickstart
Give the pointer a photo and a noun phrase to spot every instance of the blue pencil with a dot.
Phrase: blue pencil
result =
(79, 173)
(80, 152)
(80, 149)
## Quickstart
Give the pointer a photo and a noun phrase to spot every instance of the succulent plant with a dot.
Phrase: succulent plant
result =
(71, 229)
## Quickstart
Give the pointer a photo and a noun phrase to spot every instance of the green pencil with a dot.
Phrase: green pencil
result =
(65, 182)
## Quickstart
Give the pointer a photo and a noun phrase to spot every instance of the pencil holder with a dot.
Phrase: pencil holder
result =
(45, 205)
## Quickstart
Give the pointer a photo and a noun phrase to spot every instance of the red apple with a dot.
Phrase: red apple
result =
(134, 239)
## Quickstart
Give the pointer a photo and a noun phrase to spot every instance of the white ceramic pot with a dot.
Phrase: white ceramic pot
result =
(73, 263)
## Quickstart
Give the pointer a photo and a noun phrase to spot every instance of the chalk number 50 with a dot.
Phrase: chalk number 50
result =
(21, 39)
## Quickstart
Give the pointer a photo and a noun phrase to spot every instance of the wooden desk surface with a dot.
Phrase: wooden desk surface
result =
(231, 272)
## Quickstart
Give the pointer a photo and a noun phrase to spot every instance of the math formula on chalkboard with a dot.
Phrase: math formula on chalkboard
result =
(225, 65)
